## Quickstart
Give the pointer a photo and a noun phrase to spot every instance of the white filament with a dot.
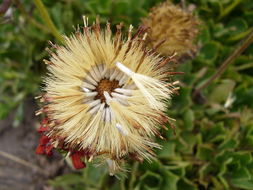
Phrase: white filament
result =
(121, 129)
(124, 69)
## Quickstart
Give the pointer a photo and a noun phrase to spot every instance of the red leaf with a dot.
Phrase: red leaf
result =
(44, 140)
(48, 150)
(43, 129)
(45, 121)
(40, 149)
(76, 160)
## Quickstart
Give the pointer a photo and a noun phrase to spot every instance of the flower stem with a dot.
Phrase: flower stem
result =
(103, 182)
(46, 18)
(133, 175)
(122, 184)
(243, 45)
(183, 4)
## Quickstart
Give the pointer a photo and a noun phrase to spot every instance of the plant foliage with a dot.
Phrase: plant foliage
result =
(213, 145)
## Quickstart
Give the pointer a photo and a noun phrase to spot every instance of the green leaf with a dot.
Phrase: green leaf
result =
(237, 26)
(184, 184)
(167, 151)
(221, 92)
(228, 144)
(183, 100)
(189, 119)
(170, 181)
(216, 6)
(209, 51)
(205, 152)
(243, 184)
(215, 133)
(151, 181)
(66, 180)
(241, 174)
(190, 139)
(204, 35)
(244, 157)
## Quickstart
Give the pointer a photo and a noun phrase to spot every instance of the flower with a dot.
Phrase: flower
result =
(104, 97)
(172, 29)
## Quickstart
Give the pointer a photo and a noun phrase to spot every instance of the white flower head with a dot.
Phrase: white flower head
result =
(104, 95)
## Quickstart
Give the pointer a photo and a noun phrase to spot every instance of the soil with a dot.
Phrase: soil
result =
(20, 167)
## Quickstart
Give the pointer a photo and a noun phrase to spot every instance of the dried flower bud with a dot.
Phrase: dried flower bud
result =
(171, 29)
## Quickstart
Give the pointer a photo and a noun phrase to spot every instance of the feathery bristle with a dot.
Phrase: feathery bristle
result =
(99, 89)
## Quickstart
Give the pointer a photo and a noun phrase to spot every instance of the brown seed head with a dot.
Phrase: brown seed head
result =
(173, 26)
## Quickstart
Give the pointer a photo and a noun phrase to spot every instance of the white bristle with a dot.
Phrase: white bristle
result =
(121, 129)
(88, 85)
(103, 74)
(123, 80)
(114, 74)
(103, 114)
(91, 80)
(98, 74)
(131, 86)
(107, 73)
(111, 113)
(94, 109)
(119, 76)
(101, 68)
(85, 89)
(121, 96)
(94, 75)
(123, 91)
(88, 100)
(121, 101)
(124, 69)
(90, 94)
(107, 97)
(94, 103)
(107, 115)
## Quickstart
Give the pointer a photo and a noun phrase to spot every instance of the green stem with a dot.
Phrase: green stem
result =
(243, 45)
(228, 9)
(240, 35)
(103, 182)
(245, 66)
(133, 175)
(46, 18)
(122, 184)
(183, 4)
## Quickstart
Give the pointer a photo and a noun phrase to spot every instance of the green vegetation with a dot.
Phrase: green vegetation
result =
(214, 142)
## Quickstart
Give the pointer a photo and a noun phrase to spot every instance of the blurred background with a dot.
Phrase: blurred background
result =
(213, 145)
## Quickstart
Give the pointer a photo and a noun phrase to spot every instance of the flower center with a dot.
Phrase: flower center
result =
(102, 85)
(105, 85)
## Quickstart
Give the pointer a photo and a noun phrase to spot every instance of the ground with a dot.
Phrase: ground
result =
(20, 167)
